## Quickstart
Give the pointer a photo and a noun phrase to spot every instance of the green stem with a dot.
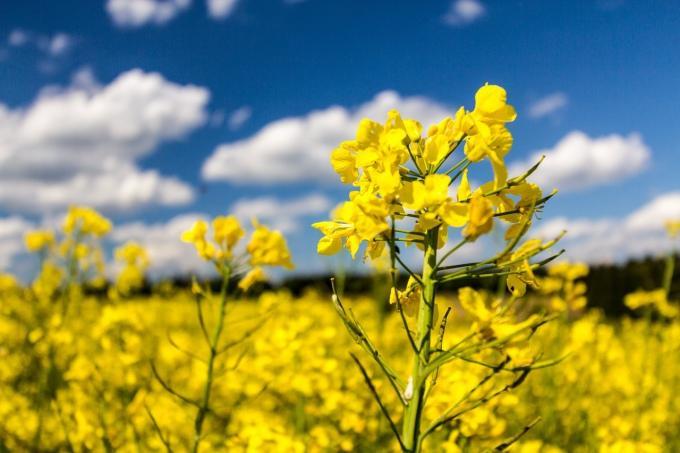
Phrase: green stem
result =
(204, 406)
(668, 273)
(414, 409)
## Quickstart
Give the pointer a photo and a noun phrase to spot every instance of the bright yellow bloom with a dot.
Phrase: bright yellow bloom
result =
(427, 194)
(376, 156)
(86, 221)
(267, 247)
(491, 105)
(39, 240)
(196, 236)
(480, 219)
(363, 218)
(255, 275)
(227, 231)
(196, 233)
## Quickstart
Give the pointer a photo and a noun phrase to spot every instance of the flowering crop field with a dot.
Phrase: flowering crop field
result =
(86, 383)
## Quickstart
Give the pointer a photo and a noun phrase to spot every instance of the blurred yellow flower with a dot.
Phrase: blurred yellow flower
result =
(267, 247)
(38, 240)
(255, 275)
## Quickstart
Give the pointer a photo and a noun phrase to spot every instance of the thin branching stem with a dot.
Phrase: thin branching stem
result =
(393, 276)
(204, 405)
(376, 396)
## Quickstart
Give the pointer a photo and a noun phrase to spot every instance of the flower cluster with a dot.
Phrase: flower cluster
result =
(265, 248)
(396, 171)
(564, 286)
(135, 262)
(74, 257)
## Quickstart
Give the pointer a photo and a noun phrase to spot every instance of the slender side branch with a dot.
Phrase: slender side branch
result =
(169, 389)
(157, 428)
(383, 409)
(359, 335)
(505, 445)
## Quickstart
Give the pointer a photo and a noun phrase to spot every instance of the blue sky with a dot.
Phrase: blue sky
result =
(224, 72)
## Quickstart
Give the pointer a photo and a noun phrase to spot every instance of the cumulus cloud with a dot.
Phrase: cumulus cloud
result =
(136, 13)
(578, 161)
(284, 215)
(464, 12)
(239, 117)
(615, 239)
(297, 148)
(221, 9)
(548, 104)
(81, 144)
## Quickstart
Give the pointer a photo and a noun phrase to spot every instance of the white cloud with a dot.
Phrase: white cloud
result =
(136, 13)
(221, 9)
(81, 144)
(59, 44)
(239, 117)
(169, 256)
(54, 46)
(464, 12)
(298, 148)
(578, 162)
(616, 239)
(12, 230)
(548, 104)
(18, 37)
(284, 215)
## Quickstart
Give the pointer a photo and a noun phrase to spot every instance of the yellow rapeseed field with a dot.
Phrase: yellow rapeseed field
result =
(85, 382)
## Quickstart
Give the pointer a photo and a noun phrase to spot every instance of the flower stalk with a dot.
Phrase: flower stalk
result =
(414, 408)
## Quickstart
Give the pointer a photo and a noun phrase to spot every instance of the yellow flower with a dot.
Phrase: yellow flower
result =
(86, 221)
(135, 262)
(437, 147)
(38, 240)
(267, 247)
(132, 253)
(491, 105)
(196, 233)
(492, 142)
(255, 275)
(523, 274)
(362, 218)
(673, 228)
(344, 162)
(227, 231)
(196, 236)
(480, 220)
(8, 282)
(379, 151)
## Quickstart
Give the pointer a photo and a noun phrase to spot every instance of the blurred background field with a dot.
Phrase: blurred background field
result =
(85, 382)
